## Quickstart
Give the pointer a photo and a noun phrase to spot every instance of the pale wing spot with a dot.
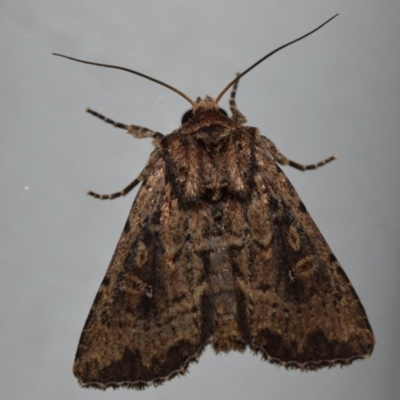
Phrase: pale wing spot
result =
(169, 261)
(259, 221)
(141, 254)
(304, 270)
(293, 238)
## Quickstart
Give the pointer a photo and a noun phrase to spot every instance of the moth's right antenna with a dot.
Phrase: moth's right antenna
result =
(218, 98)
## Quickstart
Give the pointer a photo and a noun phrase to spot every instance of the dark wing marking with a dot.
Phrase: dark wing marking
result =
(301, 308)
(133, 337)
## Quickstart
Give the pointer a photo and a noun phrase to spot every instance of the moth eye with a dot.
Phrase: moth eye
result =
(223, 112)
(187, 116)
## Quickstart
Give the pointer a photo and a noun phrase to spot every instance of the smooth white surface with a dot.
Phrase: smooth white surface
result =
(336, 91)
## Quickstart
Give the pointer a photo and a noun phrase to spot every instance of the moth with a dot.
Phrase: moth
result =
(218, 249)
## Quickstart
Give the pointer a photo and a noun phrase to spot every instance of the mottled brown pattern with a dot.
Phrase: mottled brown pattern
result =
(218, 249)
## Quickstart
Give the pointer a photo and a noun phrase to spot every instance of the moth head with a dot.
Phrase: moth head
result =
(202, 105)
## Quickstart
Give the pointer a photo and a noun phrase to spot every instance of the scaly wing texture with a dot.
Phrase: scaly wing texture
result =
(297, 306)
(144, 326)
(232, 259)
(264, 274)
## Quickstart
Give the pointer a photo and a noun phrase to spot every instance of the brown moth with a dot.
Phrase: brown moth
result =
(218, 249)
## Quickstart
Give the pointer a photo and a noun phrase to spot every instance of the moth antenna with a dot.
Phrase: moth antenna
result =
(218, 98)
(133, 72)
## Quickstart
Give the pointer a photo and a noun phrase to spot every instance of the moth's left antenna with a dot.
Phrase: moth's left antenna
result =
(133, 72)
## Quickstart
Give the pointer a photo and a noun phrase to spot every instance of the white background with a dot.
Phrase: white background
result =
(337, 91)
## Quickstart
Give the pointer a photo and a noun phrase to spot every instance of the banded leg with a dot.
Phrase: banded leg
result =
(112, 196)
(142, 176)
(136, 131)
(236, 114)
(281, 159)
